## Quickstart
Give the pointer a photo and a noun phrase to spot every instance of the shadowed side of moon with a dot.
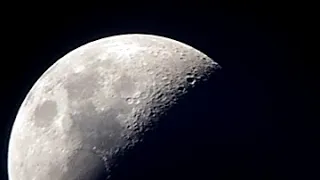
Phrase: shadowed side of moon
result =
(181, 144)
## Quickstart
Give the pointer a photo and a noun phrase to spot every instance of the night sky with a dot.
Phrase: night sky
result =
(255, 128)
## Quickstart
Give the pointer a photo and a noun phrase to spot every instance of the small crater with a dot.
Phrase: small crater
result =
(164, 78)
(176, 50)
(194, 69)
(190, 80)
(163, 99)
(137, 94)
(150, 72)
(143, 95)
(137, 101)
(152, 114)
(155, 53)
(45, 113)
(129, 100)
(216, 66)
(160, 95)
(129, 126)
(181, 88)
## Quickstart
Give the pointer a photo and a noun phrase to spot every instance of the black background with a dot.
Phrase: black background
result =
(261, 86)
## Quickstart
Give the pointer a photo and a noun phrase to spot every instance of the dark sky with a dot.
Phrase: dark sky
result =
(257, 133)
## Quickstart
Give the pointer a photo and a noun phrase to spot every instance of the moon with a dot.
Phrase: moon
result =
(99, 101)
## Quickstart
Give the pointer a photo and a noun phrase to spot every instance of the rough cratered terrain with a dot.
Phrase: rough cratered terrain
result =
(98, 101)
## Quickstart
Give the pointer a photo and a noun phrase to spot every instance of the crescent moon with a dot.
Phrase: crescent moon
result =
(99, 100)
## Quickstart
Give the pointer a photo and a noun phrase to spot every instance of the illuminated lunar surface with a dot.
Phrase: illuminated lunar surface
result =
(99, 101)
